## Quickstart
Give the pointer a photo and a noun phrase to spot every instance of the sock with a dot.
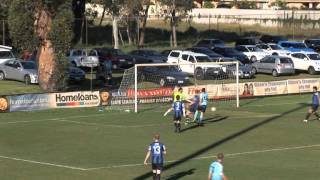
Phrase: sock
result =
(158, 177)
(154, 175)
(307, 116)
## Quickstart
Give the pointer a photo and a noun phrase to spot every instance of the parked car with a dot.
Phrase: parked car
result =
(294, 46)
(247, 41)
(232, 53)
(76, 74)
(147, 56)
(164, 75)
(252, 52)
(313, 44)
(5, 54)
(83, 58)
(306, 61)
(25, 71)
(273, 49)
(118, 58)
(272, 39)
(166, 52)
(210, 43)
(200, 71)
(245, 70)
(275, 65)
(104, 73)
(213, 56)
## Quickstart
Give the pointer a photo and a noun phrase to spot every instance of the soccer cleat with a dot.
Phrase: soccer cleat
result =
(305, 120)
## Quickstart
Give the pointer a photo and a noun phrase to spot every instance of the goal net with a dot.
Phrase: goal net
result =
(151, 86)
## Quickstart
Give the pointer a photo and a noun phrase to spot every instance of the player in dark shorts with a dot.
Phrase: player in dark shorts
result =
(179, 111)
(157, 151)
(315, 104)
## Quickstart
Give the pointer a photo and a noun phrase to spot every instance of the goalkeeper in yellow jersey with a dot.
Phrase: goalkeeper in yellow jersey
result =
(176, 93)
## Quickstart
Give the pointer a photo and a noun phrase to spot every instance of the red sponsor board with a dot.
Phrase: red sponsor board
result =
(151, 93)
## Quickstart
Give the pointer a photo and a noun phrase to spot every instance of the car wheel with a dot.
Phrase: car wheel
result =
(162, 82)
(254, 70)
(73, 64)
(275, 73)
(2, 76)
(275, 54)
(311, 70)
(114, 66)
(253, 59)
(27, 80)
(199, 74)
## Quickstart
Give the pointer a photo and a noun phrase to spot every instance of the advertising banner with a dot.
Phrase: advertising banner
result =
(151, 93)
(29, 102)
(76, 99)
(302, 85)
(269, 88)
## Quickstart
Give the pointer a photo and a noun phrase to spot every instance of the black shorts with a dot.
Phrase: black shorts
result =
(177, 118)
(315, 107)
(157, 167)
(193, 108)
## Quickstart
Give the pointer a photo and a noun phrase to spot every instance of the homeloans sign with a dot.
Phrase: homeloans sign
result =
(31, 102)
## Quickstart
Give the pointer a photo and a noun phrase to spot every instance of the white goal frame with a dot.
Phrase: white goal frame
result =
(179, 64)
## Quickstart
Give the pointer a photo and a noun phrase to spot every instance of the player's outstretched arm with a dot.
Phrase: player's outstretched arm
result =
(146, 159)
(210, 176)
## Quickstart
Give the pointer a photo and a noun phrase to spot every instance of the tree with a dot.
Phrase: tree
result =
(175, 10)
(4, 5)
(45, 25)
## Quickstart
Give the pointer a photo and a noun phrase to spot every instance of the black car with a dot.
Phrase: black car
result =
(210, 43)
(232, 53)
(247, 41)
(147, 56)
(166, 52)
(313, 44)
(164, 76)
(272, 39)
(245, 70)
(213, 56)
(118, 58)
(104, 73)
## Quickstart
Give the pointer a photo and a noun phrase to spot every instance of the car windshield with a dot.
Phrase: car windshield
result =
(299, 45)
(254, 49)
(203, 59)
(275, 47)
(217, 41)
(314, 56)
(285, 60)
(231, 51)
(6, 55)
(28, 65)
(118, 52)
(168, 68)
(316, 42)
(152, 53)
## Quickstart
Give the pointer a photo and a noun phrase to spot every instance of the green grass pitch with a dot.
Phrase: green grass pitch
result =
(264, 139)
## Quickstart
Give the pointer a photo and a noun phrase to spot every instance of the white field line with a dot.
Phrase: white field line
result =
(42, 163)
(213, 156)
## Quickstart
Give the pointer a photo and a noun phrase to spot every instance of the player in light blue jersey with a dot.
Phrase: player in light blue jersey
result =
(157, 151)
(203, 103)
(179, 111)
(315, 105)
(216, 169)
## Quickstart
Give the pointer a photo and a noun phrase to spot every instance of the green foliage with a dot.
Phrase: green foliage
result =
(244, 4)
(61, 36)
(208, 4)
(21, 20)
(282, 4)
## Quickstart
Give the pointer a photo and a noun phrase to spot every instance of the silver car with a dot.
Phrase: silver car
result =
(19, 70)
(275, 65)
(83, 58)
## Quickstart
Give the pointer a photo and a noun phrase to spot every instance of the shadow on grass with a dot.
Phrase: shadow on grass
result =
(181, 174)
(206, 121)
(223, 140)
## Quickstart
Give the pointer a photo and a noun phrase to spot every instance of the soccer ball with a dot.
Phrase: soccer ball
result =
(213, 109)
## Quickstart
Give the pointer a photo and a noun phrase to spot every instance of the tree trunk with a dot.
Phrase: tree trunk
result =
(144, 25)
(47, 63)
(174, 23)
(102, 16)
(115, 32)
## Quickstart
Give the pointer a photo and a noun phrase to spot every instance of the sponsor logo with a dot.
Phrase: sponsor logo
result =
(4, 105)
(104, 98)
(77, 99)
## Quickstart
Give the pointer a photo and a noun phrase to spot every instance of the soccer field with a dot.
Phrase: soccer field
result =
(264, 139)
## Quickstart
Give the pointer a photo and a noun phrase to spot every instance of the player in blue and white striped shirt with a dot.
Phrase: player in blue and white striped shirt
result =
(157, 151)
(179, 111)
(315, 104)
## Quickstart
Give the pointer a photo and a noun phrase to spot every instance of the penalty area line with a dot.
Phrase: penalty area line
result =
(213, 156)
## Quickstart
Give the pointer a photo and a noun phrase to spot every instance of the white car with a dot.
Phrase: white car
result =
(252, 52)
(306, 61)
(201, 71)
(5, 54)
(274, 49)
(83, 58)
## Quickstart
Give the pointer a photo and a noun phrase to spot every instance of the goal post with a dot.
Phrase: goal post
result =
(220, 78)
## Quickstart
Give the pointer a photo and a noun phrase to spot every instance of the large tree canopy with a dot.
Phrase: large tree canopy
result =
(44, 25)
